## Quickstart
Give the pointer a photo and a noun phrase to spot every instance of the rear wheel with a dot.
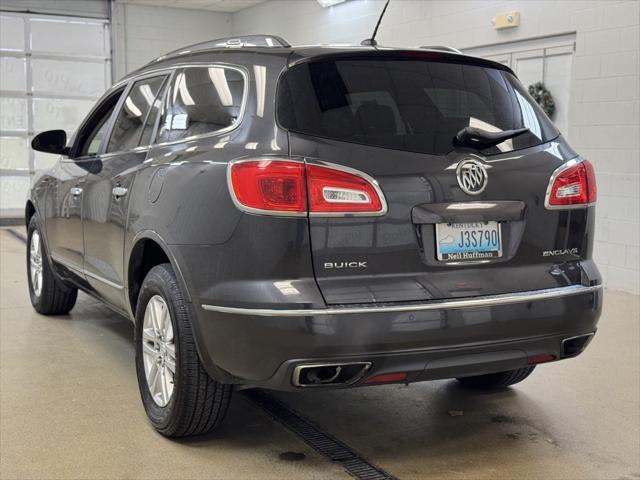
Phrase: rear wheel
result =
(48, 295)
(495, 381)
(180, 398)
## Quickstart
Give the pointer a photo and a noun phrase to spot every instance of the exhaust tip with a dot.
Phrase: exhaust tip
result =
(573, 346)
(329, 374)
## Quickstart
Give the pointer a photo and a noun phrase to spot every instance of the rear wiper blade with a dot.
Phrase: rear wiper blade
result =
(478, 138)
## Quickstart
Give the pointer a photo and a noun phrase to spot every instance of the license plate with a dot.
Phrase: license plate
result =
(468, 241)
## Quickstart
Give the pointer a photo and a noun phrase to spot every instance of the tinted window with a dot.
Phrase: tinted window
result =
(93, 142)
(412, 105)
(201, 100)
(90, 136)
(134, 115)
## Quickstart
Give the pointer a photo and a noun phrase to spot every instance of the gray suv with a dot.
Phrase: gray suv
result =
(318, 217)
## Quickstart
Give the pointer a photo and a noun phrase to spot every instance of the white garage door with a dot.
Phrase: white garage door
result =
(52, 69)
(547, 60)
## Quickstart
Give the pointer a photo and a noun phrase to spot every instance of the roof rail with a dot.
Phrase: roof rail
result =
(245, 41)
(442, 48)
(269, 41)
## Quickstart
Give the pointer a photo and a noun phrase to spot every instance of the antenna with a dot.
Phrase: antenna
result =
(372, 41)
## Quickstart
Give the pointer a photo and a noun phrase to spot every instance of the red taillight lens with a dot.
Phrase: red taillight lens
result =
(575, 185)
(281, 187)
(270, 186)
(338, 191)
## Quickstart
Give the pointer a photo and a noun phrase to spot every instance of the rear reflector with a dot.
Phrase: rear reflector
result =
(288, 187)
(535, 359)
(573, 184)
(387, 378)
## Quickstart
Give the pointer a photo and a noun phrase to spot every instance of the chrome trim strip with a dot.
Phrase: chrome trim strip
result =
(565, 166)
(485, 301)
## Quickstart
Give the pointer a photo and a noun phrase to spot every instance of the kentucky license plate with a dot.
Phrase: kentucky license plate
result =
(468, 241)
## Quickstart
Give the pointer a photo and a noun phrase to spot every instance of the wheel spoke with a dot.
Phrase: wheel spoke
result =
(170, 364)
(165, 321)
(156, 389)
(147, 349)
(151, 373)
(149, 335)
(163, 385)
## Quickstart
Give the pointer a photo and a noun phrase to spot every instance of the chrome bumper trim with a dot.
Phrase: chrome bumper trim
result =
(486, 301)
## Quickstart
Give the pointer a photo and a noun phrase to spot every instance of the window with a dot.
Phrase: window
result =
(201, 100)
(407, 104)
(93, 132)
(92, 145)
(137, 116)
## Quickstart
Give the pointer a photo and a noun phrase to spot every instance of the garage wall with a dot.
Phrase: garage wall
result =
(604, 112)
(84, 8)
(142, 33)
(52, 70)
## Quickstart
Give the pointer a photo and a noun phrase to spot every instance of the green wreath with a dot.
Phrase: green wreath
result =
(543, 97)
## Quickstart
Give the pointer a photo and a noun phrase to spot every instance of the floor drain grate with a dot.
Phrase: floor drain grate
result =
(326, 444)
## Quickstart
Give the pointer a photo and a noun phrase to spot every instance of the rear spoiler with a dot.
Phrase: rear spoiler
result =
(363, 53)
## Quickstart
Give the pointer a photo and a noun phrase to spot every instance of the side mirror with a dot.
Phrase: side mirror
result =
(51, 141)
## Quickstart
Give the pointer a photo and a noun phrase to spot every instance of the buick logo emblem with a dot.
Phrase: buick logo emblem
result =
(472, 176)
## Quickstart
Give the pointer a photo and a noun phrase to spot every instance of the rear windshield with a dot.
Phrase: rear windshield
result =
(407, 104)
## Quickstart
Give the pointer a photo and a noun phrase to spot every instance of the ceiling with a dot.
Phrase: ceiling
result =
(228, 6)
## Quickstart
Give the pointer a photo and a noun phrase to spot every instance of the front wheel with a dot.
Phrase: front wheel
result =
(48, 295)
(496, 381)
(179, 397)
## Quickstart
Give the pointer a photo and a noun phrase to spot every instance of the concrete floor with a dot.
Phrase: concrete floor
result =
(70, 408)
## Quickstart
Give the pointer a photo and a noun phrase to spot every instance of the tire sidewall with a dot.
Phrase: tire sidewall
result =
(156, 283)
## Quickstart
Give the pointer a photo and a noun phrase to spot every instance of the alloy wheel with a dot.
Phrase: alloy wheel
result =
(159, 350)
(35, 263)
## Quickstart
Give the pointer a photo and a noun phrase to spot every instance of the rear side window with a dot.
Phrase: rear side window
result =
(407, 104)
(134, 117)
(201, 100)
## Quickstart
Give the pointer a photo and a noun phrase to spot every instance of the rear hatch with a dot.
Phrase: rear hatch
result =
(460, 221)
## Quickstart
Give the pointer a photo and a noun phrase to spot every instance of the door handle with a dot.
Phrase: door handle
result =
(75, 191)
(119, 191)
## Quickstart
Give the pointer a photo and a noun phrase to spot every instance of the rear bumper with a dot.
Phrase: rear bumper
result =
(438, 339)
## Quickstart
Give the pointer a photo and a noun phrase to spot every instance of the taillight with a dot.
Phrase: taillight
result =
(286, 187)
(269, 186)
(572, 185)
(340, 191)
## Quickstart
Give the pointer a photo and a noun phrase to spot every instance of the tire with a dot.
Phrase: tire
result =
(496, 381)
(49, 296)
(183, 400)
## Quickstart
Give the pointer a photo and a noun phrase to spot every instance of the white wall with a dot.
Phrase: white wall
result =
(142, 33)
(604, 112)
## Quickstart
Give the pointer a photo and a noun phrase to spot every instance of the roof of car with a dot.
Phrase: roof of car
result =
(292, 55)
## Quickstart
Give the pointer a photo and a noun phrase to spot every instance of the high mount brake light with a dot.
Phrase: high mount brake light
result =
(573, 185)
(287, 187)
